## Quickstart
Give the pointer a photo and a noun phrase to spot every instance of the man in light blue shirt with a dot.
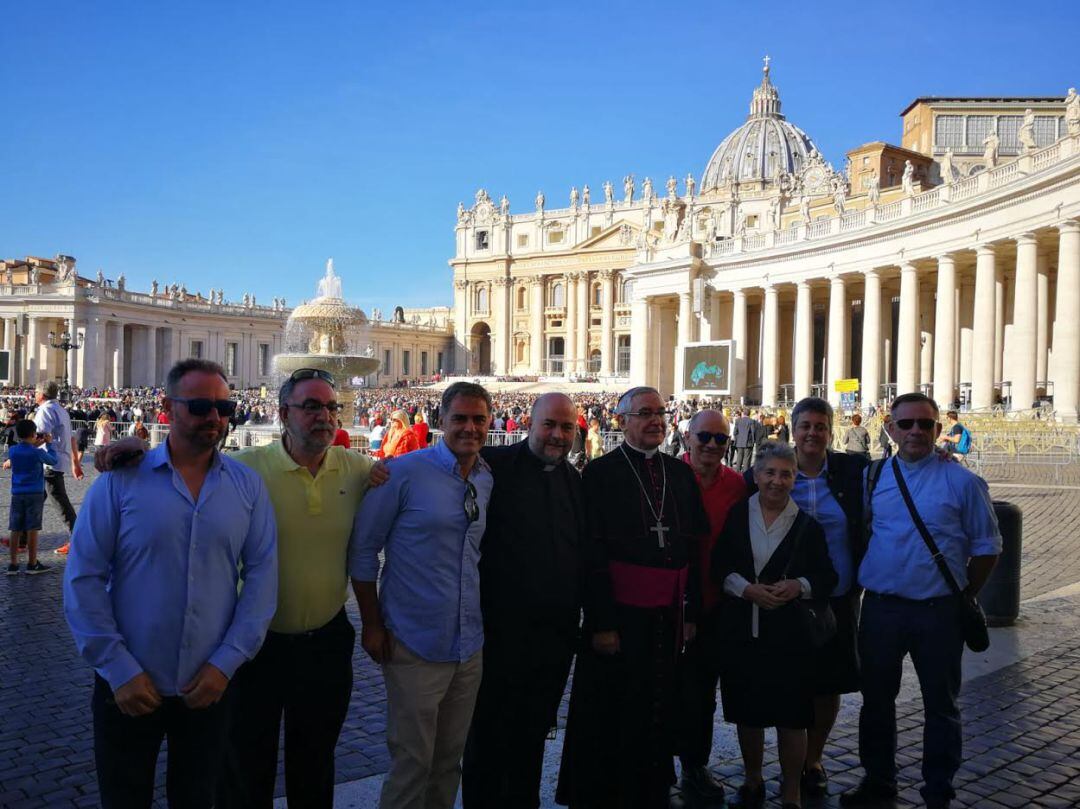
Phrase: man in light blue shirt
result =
(151, 595)
(909, 607)
(423, 625)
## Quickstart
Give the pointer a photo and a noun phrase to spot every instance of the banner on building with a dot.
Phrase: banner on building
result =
(707, 368)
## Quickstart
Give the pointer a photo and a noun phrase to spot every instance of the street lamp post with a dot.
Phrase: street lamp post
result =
(64, 342)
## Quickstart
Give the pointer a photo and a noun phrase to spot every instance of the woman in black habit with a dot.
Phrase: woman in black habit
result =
(768, 556)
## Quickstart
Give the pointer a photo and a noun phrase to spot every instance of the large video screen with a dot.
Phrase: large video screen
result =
(707, 367)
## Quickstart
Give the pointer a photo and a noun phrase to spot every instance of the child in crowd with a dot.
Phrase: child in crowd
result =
(26, 460)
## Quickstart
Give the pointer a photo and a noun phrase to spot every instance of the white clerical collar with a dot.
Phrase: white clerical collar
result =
(648, 453)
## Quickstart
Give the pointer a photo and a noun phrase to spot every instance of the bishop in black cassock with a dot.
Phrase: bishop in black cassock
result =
(645, 516)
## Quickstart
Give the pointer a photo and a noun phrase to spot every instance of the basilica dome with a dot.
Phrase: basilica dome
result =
(763, 148)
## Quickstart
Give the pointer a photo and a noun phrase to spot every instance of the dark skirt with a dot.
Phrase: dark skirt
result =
(836, 664)
(766, 684)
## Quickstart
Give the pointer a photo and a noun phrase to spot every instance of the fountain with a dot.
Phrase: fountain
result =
(316, 336)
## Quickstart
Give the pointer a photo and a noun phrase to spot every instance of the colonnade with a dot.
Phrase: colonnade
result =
(984, 323)
(495, 303)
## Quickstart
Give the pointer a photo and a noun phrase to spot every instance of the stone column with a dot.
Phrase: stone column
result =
(999, 323)
(461, 326)
(607, 313)
(584, 304)
(1025, 318)
(836, 365)
(685, 335)
(945, 332)
(888, 365)
(907, 336)
(73, 355)
(1067, 323)
(640, 311)
(32, 354)
(983, 329)
(804, 340)
(536, 328)
(965, 313)
(569, 324)
(502, 353)
(770, 380)
(926, 334)
(738, 338)
(93, 351)
(870, 381)
(1042, 326)
(152, 358)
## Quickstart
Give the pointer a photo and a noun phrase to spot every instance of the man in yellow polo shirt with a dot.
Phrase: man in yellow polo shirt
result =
(304, 670)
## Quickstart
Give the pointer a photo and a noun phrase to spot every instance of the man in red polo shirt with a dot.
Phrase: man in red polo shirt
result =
(721, 488)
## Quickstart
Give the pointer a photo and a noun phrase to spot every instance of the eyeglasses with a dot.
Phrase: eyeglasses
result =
(705, 437)
(313, 406)
(300, 374)
(907, 424)
(202, 407)
(472, 508)
(649, 414)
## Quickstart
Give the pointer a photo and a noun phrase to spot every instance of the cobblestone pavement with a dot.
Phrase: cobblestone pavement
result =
(1022, 721)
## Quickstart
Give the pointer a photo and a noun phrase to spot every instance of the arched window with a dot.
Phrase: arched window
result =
(521, 298)
(558, 294)
(625, 290)
(597, 295)
(482, 299)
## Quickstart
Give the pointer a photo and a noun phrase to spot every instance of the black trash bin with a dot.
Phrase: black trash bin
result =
(1000, 597)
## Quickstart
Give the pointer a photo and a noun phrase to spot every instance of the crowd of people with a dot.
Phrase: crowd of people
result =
(706, 551)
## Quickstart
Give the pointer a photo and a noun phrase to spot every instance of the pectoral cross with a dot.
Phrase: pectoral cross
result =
(660, 530)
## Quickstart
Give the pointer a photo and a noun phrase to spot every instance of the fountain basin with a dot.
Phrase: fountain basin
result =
(343, 366)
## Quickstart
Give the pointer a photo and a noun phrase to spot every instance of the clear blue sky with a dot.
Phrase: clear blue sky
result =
(239, 144)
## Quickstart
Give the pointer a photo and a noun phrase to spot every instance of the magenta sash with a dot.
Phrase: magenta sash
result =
(640, 586)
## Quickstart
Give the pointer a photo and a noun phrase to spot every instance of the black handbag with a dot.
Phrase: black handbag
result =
(972, 618)
(816, 617)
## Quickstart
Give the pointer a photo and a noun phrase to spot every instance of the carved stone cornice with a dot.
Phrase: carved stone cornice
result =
(503, 281)
(461, 284)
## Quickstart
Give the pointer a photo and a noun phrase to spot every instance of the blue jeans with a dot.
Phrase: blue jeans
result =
(930, 632)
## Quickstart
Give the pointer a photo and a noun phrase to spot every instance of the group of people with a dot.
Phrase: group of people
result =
(482, 573)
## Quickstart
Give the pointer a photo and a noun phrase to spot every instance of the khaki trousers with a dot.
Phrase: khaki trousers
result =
(428, 710)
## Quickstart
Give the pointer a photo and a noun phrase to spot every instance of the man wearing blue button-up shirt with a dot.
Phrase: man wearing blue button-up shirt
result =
(909, 607)
(152, 595)
(424, 624)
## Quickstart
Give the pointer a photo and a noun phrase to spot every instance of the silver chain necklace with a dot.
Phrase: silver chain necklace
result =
(660, 529)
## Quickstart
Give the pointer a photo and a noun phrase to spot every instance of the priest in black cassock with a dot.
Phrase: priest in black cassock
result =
(645, 518)
(531, 581)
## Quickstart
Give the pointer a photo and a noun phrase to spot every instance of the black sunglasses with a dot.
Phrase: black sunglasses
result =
(202, 407)
(907, 424)
(313, 406)
(472, 508)
(300, 374)
(705, 437)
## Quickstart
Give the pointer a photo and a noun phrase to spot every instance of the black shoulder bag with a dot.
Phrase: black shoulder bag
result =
(972, 619)
(816, 616)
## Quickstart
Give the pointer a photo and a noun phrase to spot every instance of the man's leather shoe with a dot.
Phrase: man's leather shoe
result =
(869, 795)
(701, 784)
(749, 797)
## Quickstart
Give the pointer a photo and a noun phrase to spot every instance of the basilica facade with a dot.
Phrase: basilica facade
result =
(948, 264)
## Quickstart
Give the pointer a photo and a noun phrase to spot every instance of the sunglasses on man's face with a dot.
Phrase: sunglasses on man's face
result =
(202, 407)
(907, 424)
(705, 437)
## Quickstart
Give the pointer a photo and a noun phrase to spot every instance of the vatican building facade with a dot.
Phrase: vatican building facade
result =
(949, 264)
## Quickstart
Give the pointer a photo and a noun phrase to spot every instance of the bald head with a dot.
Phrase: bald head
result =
(552, 427)
(706, 457)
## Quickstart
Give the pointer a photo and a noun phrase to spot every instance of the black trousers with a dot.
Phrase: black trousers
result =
(890, 629)
(699, 674)
(744, 456)
(307, 678)
(126, 751)
(54, 482)
(515, 708)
